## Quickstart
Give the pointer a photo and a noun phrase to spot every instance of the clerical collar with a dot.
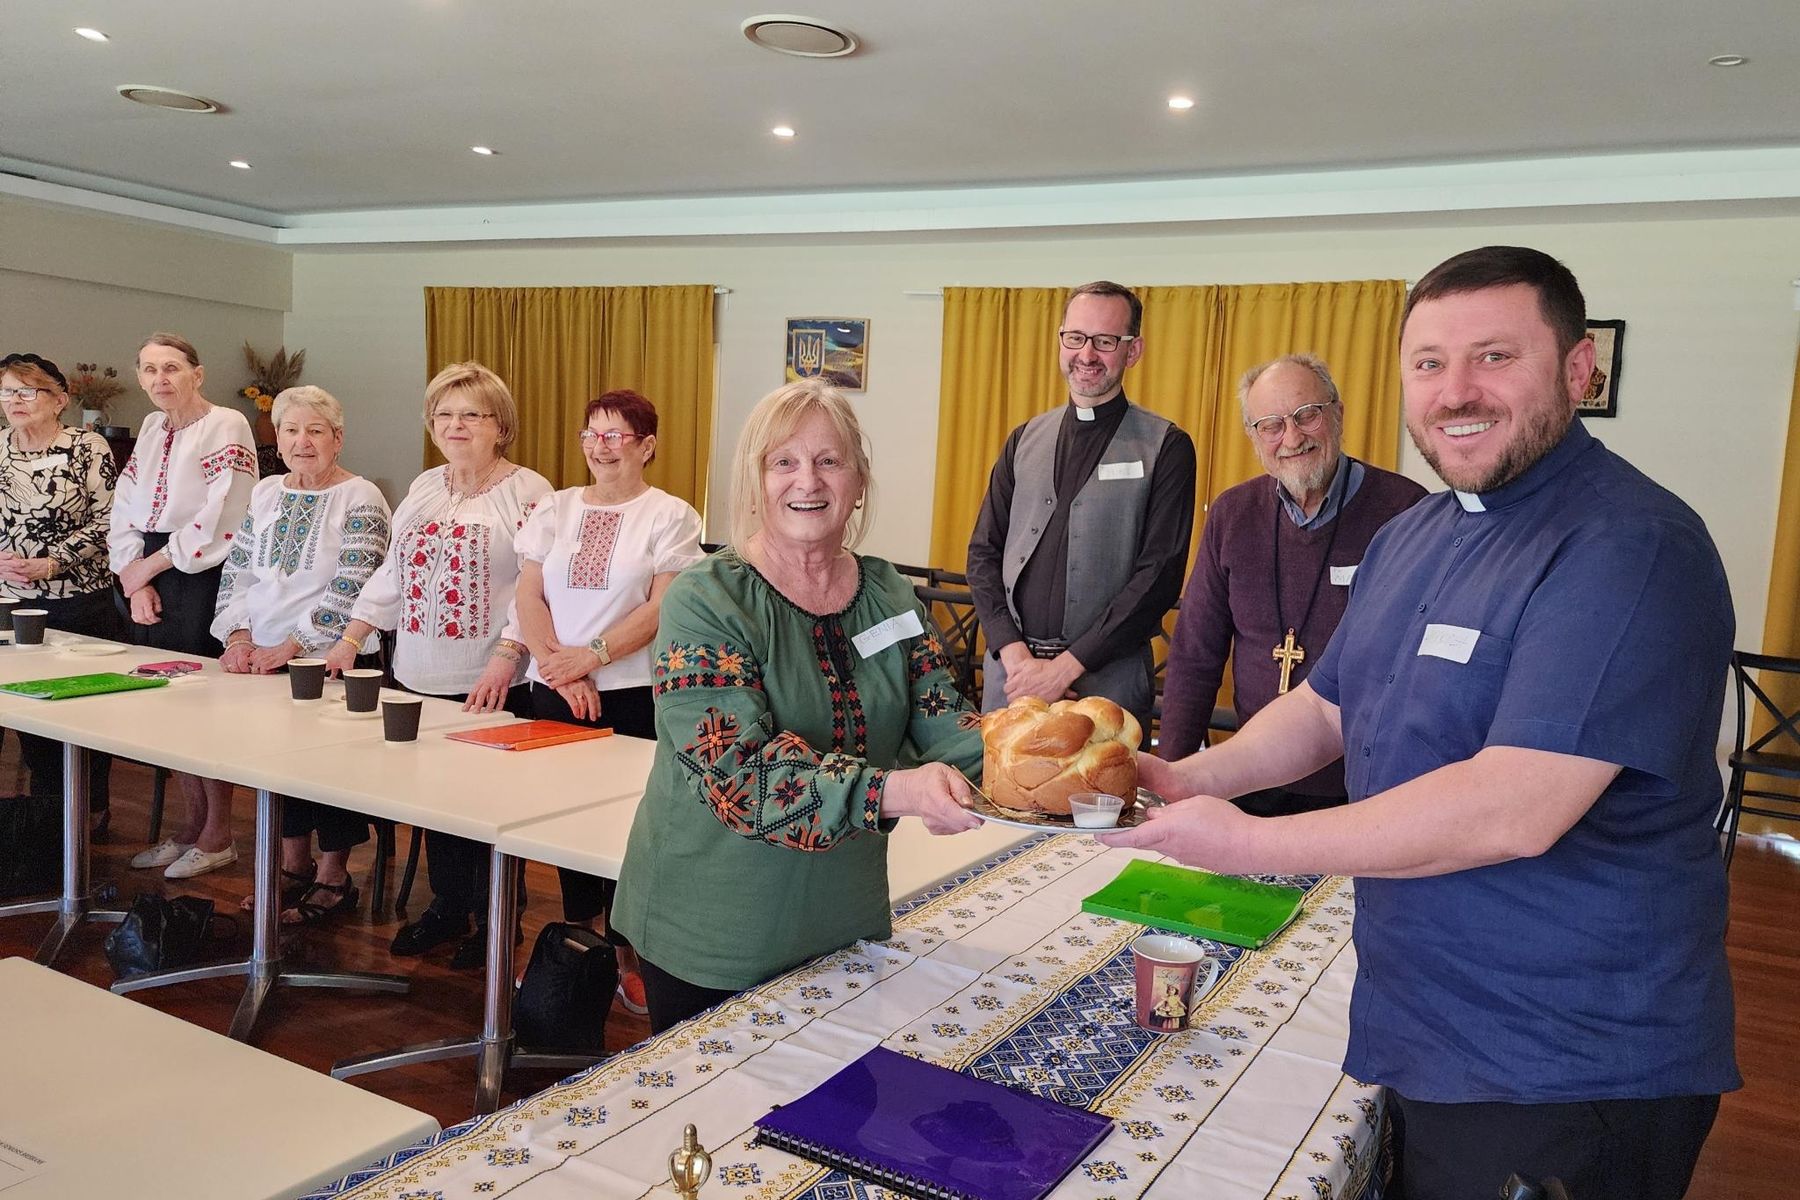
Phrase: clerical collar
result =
(1575, 442)
(1102, 412)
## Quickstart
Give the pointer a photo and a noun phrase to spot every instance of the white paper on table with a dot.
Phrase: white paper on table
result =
(18, 1165)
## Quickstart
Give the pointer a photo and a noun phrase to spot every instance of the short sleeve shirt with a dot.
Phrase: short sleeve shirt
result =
(1581, 609)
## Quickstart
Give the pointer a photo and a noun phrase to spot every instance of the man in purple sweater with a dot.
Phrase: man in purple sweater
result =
(1273, 574)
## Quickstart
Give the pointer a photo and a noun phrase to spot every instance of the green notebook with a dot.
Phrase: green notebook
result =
(68, 687)
(1221, 907)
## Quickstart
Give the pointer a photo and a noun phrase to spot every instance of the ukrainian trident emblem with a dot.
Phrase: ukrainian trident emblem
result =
(806, 351)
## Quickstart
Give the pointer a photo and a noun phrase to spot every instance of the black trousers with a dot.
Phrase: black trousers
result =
(630, 712)
(458, 867)
(93, 614)
(1600, 1149)
(188, 602)
(1279, 802)
(338, 828)
(672, 1000)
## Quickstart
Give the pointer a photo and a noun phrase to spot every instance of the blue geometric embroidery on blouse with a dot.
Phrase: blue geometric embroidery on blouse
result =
(294, 533)
(363, 549)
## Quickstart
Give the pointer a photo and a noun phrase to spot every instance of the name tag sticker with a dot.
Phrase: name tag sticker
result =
(1341, 576)
(1449, 641)
(49, 462)
(1124, 470)
(876, 638)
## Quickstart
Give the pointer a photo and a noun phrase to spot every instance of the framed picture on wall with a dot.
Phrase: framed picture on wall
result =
(1602, 396)
(835, 349)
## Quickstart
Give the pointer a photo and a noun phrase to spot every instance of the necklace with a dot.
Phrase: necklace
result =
(1288, 652)
(480, 486)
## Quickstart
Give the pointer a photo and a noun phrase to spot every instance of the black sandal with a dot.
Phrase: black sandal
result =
(293, 885)
(312, 912)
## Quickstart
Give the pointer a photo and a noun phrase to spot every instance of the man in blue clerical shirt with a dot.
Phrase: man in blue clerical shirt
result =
(1526, 690)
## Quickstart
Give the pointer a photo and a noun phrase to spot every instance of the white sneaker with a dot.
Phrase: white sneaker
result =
(161, 854)
(198, 862)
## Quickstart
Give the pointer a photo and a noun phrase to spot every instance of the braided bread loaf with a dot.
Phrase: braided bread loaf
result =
(1036, 754)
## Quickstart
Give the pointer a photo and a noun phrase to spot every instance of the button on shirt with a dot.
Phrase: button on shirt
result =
(1580, 609)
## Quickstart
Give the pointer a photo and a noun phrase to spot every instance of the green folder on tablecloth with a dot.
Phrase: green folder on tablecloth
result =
(67, 687)
(1224, 908)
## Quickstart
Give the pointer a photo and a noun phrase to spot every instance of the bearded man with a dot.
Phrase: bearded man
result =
(1273, 574)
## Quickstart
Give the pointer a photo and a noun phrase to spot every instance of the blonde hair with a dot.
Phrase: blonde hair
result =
(172, 341)
(772, 422)
(307, 396)
(477, 382)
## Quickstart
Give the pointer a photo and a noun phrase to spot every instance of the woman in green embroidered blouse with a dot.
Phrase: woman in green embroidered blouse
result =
(793, 680)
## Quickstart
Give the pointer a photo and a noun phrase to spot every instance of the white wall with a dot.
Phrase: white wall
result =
(79, 287)
(1710, 339)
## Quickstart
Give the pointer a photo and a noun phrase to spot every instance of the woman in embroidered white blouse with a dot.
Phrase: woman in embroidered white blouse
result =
(177, 507)
(445, 590)
(307, 546)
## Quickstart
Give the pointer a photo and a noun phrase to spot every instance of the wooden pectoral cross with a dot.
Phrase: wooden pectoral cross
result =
(1289, 654)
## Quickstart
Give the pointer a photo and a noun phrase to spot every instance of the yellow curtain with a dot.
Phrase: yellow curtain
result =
(558, 348)
(1781, 625)
(1000, 368)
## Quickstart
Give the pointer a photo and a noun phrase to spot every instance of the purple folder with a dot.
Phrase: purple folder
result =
(930, 1132)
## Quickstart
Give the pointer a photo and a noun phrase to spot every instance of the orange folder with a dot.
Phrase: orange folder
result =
(529, 735)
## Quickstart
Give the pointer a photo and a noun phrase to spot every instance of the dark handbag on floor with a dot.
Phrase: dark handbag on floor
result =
(567, 991)
(30, 845)
(159, 933)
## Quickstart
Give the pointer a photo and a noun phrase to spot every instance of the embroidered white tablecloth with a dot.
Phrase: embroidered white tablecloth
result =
(998, 974)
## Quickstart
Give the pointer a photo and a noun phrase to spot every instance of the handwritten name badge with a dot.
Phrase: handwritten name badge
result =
(1341, 576)
(879, 637)
(1124, 470)
(1449, 641)
(50, 462)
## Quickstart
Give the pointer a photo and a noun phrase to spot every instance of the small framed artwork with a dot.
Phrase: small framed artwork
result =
(835, 349)
(1601, 399)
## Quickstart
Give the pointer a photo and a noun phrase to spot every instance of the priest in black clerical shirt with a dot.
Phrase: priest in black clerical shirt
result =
(1082, 540)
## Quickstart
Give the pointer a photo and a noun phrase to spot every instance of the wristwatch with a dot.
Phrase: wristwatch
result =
(598, 646)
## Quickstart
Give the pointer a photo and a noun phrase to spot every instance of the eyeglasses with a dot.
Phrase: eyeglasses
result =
(467, 417)
(612, 438)
(7, 393)
(1105, 343)
(1307, 419)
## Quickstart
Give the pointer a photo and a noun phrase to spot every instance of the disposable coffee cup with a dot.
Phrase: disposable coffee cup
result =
(362, 690)
(1165, 970)
(28, 626)
(7, 605)
(400, 718)
(306, 677)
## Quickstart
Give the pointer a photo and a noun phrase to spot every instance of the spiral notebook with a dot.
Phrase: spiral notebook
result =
(926, 1131)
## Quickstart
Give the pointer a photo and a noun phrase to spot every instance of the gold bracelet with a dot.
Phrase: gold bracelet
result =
(508, 651)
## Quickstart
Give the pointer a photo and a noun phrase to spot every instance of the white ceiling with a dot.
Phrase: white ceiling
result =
(374, 104)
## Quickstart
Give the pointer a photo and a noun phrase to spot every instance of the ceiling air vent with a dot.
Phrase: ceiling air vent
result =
(169, 98)
(803, 37)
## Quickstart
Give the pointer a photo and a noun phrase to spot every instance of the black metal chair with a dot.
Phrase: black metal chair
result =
(952, 611)
(1775, 753)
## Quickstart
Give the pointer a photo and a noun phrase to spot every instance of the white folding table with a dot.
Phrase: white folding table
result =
(106, 1097)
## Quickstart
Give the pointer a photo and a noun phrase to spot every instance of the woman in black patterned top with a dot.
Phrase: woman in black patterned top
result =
(56, 491)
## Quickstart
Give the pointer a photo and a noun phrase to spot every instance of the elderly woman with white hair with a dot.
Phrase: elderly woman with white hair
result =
(310, 541)
(802, 705)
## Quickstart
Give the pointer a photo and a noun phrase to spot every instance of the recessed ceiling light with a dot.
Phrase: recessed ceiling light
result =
(783, 131)
(92, 35)
(240, 164)
(484, 151)
(1727, 60)
(804, 37)
(1181, 103)
(169, 98)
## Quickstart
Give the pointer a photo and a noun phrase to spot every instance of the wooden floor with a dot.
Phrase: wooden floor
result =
(1754, 1152)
